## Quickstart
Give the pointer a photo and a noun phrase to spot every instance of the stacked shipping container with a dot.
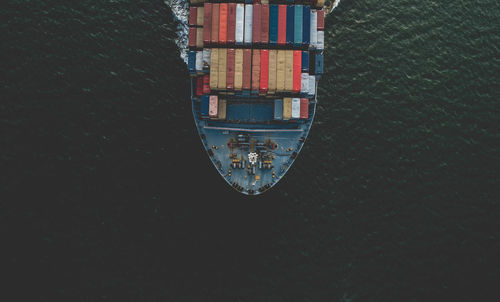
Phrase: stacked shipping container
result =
(217, 33)
(222, 24)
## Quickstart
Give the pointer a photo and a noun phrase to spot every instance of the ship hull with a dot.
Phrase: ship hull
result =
(216, 137)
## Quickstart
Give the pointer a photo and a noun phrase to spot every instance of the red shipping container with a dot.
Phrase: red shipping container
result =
(192, 37)
(264, 37)
(223, 23)
(207, 22)
(199, 86)
(256, 23)
(206, 84)
(304, 108)
(297, 68)
(192, 15)
(215, 23)
(281, 24)
(231, 22)
(247, 69)
(230, 69)
(321, 19)
(255, 69)
(264, 70)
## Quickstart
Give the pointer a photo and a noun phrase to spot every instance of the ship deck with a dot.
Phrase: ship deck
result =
(249, 127)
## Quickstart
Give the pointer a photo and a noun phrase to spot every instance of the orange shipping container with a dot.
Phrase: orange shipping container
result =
(247, 69)
(221, 84)
(214, 68)
(255, 69)
(280, 71)
(288, 70)
(223, 23)
(264, 71)
(272, 71)
(238, 69)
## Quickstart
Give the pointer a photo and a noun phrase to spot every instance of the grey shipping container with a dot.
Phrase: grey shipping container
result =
(278, 109)
(295, 108)
(247, 35)
(314, 28)
(240, 20)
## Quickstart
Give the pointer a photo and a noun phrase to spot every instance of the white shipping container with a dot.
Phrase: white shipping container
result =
(199, 61)
(206, 57)
(321, 40)
(304, 83)
(312, 85)
(240, 18)
(295, 108)
(248, 24)
(314, 28)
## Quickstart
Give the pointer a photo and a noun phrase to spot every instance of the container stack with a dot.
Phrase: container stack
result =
(256, 49)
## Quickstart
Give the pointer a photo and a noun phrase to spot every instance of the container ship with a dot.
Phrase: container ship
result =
(254, 68)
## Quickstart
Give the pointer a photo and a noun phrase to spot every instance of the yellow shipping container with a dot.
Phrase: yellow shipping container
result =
(199, 15)
(288, 70)
(287, 108)
(221, 84)
(280, 71)
(238, 69)
(199, 37)
(214, 68)
(272, 71)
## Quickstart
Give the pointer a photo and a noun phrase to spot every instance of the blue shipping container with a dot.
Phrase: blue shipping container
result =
(192, 62)
(205, 103)
(278, 109)
(306, 22)
(297, 37)
(290, 14)
(273, 24)
(318, 66)
(305, 61)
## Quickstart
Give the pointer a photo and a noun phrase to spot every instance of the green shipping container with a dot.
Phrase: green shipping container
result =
(297, 33)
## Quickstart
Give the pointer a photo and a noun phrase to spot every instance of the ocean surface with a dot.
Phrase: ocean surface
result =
(106, 193)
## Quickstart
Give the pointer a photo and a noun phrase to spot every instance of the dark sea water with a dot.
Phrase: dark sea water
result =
(107, 195)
